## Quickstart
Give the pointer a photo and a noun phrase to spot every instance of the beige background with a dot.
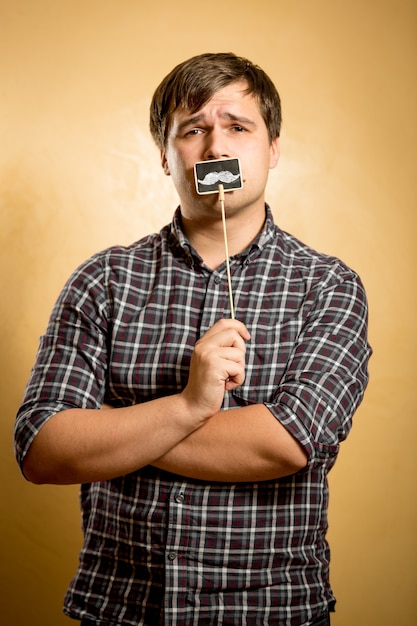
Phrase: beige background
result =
(78, 172)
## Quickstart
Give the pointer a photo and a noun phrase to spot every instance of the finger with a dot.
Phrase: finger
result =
(229, 324)
(231, 366)
(223, 338)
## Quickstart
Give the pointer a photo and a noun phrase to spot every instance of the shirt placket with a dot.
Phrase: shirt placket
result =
(216, 305)
(180, 572)
(178, 569)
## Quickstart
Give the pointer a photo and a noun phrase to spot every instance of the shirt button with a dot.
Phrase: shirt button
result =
(179, 498)
(217, 280)
(172, 556)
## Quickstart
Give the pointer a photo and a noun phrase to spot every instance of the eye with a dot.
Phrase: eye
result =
(193, 131)
(238, 129)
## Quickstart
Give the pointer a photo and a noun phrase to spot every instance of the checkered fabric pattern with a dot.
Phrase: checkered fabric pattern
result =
(162, 549)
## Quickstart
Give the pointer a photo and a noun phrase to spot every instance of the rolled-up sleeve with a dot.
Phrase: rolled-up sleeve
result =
(71, 362)
(327, 373)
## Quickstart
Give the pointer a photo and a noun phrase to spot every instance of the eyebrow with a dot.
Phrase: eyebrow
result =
(196, 119)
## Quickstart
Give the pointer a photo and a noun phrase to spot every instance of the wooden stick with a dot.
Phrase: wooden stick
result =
(226, 247)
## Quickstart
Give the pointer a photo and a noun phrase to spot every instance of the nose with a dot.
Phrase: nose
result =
(216, 145)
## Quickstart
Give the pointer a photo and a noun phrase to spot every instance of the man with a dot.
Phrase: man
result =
(202, 442)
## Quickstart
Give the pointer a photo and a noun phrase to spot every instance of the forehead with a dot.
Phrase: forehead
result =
(226, 101)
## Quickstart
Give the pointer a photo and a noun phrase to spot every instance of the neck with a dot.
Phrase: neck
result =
(207, 236)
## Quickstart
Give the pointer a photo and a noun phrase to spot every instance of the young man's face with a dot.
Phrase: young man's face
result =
(229, 125)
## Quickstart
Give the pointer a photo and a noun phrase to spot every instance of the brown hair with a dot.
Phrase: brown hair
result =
(193, 83)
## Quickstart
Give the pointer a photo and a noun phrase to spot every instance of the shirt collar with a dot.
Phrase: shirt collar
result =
(182, 247)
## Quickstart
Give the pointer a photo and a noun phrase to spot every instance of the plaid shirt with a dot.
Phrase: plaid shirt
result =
(163, 549)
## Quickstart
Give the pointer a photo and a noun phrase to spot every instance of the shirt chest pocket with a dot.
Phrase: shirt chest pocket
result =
(267, 358)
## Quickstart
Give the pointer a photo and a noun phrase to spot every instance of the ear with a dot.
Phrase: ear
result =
(274, 153)
(164, 163)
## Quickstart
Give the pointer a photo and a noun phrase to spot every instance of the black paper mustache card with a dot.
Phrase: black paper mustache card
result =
(208, 175)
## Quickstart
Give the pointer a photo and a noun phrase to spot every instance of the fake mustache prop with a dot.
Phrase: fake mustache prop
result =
(223, 177)
(218, 176)
(209, 173)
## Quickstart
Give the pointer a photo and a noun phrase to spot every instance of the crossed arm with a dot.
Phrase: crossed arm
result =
(185, 433)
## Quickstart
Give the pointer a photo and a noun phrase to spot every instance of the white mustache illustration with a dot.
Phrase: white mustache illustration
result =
(224, 177)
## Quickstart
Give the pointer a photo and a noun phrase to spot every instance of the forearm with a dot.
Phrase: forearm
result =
(239, 445)
(83, 445)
